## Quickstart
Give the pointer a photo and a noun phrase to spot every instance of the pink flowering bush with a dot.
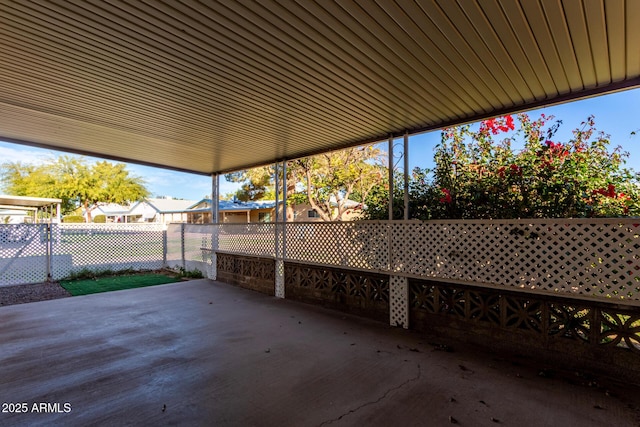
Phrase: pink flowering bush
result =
(479, 175)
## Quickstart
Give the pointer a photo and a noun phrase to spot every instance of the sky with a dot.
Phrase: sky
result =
(616, 114)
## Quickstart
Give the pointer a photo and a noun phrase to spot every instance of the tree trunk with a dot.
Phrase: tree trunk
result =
(86, 209)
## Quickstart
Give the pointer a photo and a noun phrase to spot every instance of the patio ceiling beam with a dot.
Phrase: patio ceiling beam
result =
(216, 87)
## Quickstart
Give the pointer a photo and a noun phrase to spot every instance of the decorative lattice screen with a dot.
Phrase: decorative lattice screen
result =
(249, 239)
(359, 245)
(23, 253)
(591, 257)
(585, 257)
(100, 247)
(174, 257)
(198, 247)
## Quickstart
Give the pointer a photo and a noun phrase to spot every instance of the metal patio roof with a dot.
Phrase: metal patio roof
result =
(215, 86)
(27, 202)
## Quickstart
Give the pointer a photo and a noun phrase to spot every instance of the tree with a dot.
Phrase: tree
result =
(330, 179)
(477, 176)
(326, 181)
(257, 183)
(75, 181)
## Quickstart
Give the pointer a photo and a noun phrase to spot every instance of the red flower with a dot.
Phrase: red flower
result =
(447, 196)
(495, 126)
(509, 122)
(610, 191)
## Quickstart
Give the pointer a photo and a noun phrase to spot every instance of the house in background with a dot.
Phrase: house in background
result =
(113, 212)
(234, 211)
(160, 210)
(14, 216)
(168, 210)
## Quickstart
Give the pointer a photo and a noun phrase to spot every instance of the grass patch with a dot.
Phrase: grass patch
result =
(115, 283)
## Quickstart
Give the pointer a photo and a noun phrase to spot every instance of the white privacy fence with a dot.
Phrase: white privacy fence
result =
(31, 253)
(583, 257)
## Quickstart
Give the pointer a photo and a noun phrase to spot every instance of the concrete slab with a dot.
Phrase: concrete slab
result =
(204, 353)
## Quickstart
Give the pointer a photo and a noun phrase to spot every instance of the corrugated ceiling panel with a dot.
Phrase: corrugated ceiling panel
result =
(616, 28)
(217, 86)
(632, 39)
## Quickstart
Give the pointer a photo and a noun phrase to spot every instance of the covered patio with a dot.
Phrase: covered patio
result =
(216, 87)
(207, 353)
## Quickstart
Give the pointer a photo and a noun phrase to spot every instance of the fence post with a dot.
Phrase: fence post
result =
(398, 289)
(48, 238)
(184, 261)
(279, 264)
(165, 247)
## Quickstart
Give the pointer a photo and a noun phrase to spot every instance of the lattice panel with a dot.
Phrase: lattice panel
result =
(358, 292)
(23, 253)
(100, 247)
(358, 244)
(620, 329)
(398, 301)
(588, 257)
(279, 279)
(249, 239)
(198, 247)
(583, 323)
(174, 257)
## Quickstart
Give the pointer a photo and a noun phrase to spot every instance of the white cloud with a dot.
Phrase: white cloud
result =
(17, 153)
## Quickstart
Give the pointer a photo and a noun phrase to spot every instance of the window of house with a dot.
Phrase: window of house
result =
(312, 213)
(264, 216)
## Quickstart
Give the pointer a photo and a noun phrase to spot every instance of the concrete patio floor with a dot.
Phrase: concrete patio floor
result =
(204, 353)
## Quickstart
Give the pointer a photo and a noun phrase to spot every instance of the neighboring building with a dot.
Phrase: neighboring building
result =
(113, 212)
(167, 210)
(163, 210)
(14, 216)
(305, 213)
(261, 211)
(233, 211)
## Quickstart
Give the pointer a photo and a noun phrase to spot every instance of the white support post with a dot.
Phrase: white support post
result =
(398, 285)
(215, 198)
(390, 167)
(405, 153)
(399, 301)
(279, 273)
(215, 212)
(280, 285)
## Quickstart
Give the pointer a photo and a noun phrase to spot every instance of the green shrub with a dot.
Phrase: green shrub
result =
(191, 274)
(73, 218)
(100, 219)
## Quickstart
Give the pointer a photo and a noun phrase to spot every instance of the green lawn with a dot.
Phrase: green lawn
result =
(115, 283)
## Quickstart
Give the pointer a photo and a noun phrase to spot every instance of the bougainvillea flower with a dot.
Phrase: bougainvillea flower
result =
(447, 196)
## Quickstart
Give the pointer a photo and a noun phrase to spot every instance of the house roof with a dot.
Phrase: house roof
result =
(217, 86)
(111, 208)
(169, 205)
(28, 202)
(230, 205)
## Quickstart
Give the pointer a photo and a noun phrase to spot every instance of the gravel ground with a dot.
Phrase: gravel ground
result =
(20, 294)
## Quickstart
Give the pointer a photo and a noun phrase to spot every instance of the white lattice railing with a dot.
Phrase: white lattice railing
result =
(590, 257)
(23, 253)
(585, 257)
(99, 247)
(359, 244)
(257, 239)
